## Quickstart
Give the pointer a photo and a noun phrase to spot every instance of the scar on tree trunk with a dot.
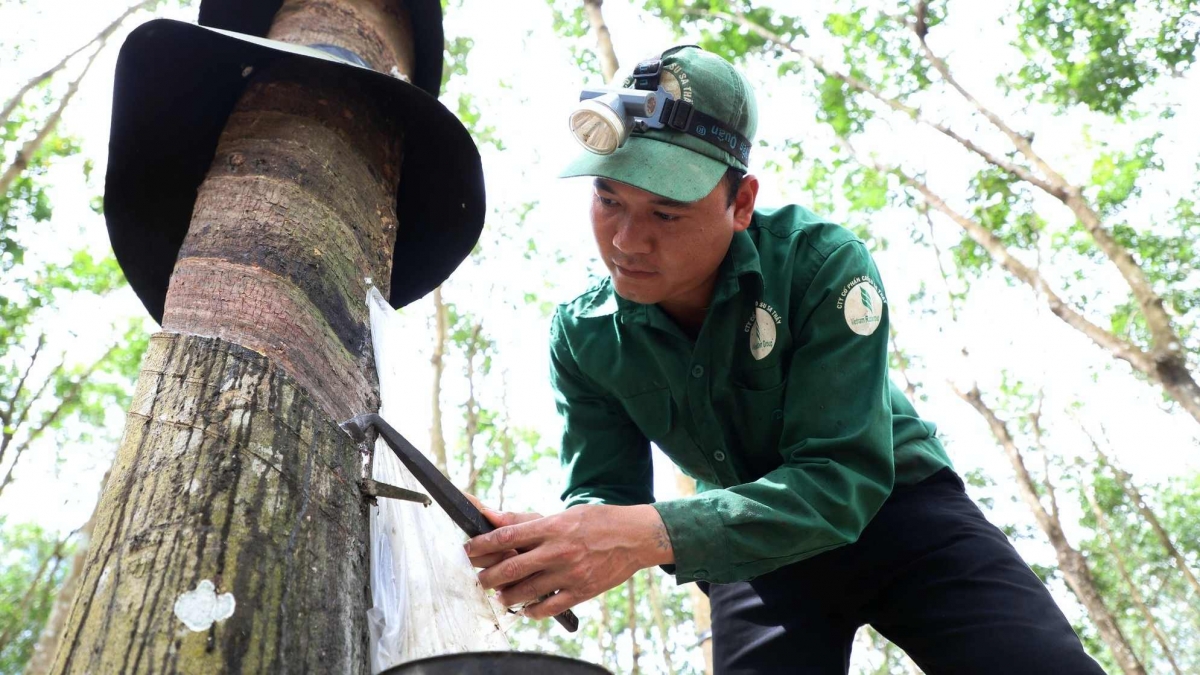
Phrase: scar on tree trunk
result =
(232, 470)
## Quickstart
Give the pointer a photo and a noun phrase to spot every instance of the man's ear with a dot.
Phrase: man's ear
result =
(743, 203)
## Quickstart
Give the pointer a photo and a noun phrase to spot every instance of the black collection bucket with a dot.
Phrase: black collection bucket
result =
(496, 663)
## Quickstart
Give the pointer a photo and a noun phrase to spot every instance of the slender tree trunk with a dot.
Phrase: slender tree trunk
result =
(1131, 491)
(30, 148)
(605, 638)
(1070, 561)
(232, 536)
(100, 37)
(660, 621)
(604, 46)
(701, 611)
(437, 438)
(631, 594)
(8, 428)
(68, 398)
(30, 593)
(51, 636)
(1134, 593)
(507, 448)
(472, 430)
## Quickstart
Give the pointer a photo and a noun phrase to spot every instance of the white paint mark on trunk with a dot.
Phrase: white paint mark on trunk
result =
(201, 608)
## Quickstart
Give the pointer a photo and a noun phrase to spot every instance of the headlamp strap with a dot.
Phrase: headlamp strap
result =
(681, 116)
(646, 74)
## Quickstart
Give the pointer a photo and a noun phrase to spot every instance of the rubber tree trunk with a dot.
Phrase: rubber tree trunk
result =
(604, 46)
(231, 536)
(437, 439)
(1071, 562)
(1134, 594)
(636, 647)
(1125, 480)
(660, 621)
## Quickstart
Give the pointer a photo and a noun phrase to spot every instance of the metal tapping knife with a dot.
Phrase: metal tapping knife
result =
(451, 499)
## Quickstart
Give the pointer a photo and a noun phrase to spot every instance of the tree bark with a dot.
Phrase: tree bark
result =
(100, 37)
(229, 473)
(701, 610)
(30, 148)
(659, 620)
(437, 438)
(604, 46)
(1070, 561)
(1134, 593)
(233, 485)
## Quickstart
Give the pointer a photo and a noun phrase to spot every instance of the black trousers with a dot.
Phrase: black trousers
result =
(930, 573)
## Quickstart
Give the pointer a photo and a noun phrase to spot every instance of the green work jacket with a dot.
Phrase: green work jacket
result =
(781, 408)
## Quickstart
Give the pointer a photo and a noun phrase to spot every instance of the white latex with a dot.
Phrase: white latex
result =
(426, 597)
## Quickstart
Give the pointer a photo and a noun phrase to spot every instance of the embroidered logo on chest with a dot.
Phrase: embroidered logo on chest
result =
(862, 305)
(761, 328)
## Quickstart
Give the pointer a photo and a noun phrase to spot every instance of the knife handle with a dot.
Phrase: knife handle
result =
(568, 620)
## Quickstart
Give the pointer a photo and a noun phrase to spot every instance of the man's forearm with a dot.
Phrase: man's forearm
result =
(654, 544)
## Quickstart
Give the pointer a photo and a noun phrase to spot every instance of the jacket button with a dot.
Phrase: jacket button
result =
(719, 456)
(777, 415)
(701, 574)
(697, 370)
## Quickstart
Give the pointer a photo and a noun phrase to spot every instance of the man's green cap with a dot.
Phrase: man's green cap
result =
(671, 163)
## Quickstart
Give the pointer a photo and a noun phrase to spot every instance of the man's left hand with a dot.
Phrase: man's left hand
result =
(572, 556)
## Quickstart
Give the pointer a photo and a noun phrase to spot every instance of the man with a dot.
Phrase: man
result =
(752, 348)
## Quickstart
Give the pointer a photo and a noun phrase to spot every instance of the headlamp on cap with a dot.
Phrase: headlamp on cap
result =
(606, 116)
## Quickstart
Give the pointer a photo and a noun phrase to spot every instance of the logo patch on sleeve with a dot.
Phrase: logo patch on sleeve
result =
(862, 304)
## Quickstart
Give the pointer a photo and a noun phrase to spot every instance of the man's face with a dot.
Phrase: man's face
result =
(660, 251)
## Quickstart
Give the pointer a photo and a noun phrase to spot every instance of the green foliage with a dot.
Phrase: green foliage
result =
(455, 64)
(839, 107)
(1003, 206)
(722, 37)
(1100, 54)
(569, 20)
(43, 389)
(26, 199)
(1162, 587)
(1115, 175)
(32, 569)
(472, 118)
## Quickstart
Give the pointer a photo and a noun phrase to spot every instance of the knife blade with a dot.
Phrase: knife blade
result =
(451, 499)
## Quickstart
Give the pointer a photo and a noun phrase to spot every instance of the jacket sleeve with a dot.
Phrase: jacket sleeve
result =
(606, 458)
(835, 442)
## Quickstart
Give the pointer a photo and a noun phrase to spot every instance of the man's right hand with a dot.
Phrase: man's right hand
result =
(498, 519)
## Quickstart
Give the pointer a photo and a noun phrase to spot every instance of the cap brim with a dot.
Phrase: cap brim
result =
(667, 170)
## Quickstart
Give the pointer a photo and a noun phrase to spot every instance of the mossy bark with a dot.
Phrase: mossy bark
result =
(233, 478)
(228, 472)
